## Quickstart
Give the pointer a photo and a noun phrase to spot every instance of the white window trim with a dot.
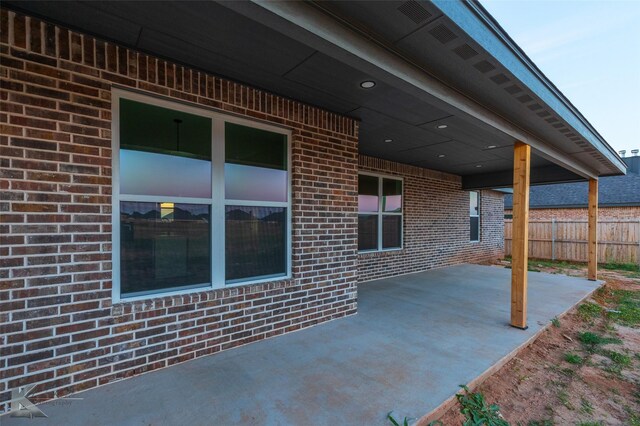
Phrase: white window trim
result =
(217, 200)
(380, 214)
(475, 215)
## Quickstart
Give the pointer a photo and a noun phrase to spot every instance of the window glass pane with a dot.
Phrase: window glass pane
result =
(367, 193)
(255, 165)
(475, 231)
(391, 231)
(367, 232)
(164, 152)
(255, 241)
(392, 195)
(164, 246)
(473, 203)
(148, 173)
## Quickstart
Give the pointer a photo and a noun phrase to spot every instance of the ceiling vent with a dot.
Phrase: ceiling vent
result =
(443, 34)
(500, 78)
(534, 107)
(465, 51)
(513, 89)
(543, 114)
(484, 66)
(414, 11)
(525, 98)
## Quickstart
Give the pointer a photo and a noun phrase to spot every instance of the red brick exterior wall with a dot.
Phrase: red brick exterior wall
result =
(436, 224)
(581, 213)
(58, 325)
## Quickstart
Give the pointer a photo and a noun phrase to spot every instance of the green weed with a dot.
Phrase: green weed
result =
(476, 410)
(627, 310)
(588, 311)
(618, 358)
(591, 340)
(563, 396)
(573, 358)
(556, 322)
(585, 406)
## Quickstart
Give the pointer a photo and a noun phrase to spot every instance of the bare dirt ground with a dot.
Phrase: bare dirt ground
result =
(568, 378)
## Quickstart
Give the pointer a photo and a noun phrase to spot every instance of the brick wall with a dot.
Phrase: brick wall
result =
(582, 214)
(58, 325)
(436, 223)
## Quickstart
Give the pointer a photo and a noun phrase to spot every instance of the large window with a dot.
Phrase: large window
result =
(201, 200)
(474, 215)
(379, 213)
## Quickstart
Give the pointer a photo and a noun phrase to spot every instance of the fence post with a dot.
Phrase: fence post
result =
(553, 238)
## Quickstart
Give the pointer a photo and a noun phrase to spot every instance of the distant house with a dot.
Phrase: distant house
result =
(619, 197)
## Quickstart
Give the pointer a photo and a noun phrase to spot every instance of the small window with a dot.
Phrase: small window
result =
(379, 213)
(474, 215)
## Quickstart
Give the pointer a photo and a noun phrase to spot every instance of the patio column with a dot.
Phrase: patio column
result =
(593, 230)
(520, 239)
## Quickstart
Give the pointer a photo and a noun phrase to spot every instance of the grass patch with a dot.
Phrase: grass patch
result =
(613, 266)
(618, 358)
(556, 322)
(592, 340)
(546, 263)
(563, 396)
(476, 410)
(627, 311)
(588, 311)
(590, 424)
(540, 423)
(573, 358)
(585, 406)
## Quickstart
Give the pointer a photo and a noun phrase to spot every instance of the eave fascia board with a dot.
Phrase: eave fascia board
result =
(366, 54)
(474, 19)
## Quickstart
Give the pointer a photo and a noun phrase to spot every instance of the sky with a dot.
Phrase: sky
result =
(590, 50)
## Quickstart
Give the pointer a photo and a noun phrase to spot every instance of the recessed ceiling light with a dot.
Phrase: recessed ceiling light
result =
(441, 155)
(478, 165)
(388, 140)
(441, 126)
(368, 84)
(491, 146)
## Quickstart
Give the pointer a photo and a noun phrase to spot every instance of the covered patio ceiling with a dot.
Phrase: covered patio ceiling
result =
(435, 64)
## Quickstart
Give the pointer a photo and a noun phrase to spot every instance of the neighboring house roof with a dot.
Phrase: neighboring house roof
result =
(612, 191)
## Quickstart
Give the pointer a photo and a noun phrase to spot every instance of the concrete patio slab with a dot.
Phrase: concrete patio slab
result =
(414, 340)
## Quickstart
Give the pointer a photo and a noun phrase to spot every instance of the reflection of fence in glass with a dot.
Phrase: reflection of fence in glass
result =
(164, 245)
(255, 242)
(618, 241)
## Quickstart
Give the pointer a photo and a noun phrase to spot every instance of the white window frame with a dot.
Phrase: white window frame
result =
(217, 201)
(476, 215)
(380, 214)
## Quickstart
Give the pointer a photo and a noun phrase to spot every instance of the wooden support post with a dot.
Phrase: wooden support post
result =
(520, 231)
(593, 230)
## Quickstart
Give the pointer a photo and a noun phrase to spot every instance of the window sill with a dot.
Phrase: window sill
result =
(374, 253)
(195, 296)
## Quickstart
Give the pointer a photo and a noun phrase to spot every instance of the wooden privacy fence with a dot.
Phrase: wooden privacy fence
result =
(618, 240)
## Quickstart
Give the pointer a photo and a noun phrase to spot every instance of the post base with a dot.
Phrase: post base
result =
(518, 327)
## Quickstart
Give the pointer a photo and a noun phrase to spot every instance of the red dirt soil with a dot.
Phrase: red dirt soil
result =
(539, 387)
